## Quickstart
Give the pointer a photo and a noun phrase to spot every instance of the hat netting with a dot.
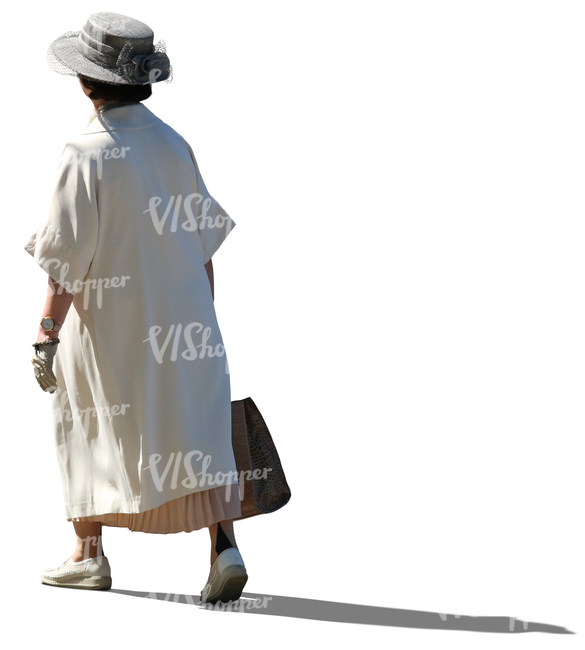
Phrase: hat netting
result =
(133, 69)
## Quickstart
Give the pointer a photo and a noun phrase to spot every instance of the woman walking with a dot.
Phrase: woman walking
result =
(136, 369)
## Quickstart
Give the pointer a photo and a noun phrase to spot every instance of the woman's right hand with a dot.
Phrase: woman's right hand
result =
(43, 364)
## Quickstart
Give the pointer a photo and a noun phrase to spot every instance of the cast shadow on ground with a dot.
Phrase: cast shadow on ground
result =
(325, 610)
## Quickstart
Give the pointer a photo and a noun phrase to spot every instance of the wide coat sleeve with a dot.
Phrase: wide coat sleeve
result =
(65, 243)
(214, 223)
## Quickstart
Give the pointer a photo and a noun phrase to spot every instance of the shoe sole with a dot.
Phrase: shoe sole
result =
(233, 581)
(94, 584)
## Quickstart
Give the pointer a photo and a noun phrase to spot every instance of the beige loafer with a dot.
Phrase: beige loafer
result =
(226, 579)
(93, 573)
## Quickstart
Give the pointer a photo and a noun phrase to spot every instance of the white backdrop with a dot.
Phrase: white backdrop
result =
(402, 297)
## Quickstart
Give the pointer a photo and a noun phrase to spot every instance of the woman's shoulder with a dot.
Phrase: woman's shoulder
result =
(88, 151)
(87, 142)
(173, 134)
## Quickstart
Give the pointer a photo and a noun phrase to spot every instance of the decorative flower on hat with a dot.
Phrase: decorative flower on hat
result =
(144, 68)
(145, 64)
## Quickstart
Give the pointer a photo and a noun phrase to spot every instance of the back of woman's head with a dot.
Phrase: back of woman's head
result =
(117, 93)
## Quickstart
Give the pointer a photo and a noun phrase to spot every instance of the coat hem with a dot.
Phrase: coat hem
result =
(91, 508)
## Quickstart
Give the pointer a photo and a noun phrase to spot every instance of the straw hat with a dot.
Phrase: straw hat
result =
(111, 48)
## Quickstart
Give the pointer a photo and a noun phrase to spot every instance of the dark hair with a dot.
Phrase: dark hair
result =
(114, 92)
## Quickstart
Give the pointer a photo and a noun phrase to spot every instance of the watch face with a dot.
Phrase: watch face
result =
(47, 323)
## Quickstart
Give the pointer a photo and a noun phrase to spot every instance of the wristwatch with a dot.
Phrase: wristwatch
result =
(49, 325)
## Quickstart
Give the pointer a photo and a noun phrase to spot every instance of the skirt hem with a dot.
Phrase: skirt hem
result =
(184, 514)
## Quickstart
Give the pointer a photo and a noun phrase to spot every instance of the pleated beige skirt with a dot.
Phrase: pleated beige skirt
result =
(185, 514)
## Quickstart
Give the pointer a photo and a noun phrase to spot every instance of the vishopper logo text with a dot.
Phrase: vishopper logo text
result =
(83, 415)
(108, 24)
(220, 478)
(240, 605)
(144, 64)
(77, 285)
(191, 353)
(513, 620)
(192, 222)
(98, 154)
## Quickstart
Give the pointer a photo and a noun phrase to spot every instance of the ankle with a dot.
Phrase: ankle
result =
(222, 540)
(78, 556)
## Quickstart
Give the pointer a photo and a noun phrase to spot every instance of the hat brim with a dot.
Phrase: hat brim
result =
(64, 57)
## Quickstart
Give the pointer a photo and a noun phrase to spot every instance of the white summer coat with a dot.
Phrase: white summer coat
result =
(142, 414)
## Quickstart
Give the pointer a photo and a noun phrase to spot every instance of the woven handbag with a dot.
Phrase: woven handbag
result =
(263, 486)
